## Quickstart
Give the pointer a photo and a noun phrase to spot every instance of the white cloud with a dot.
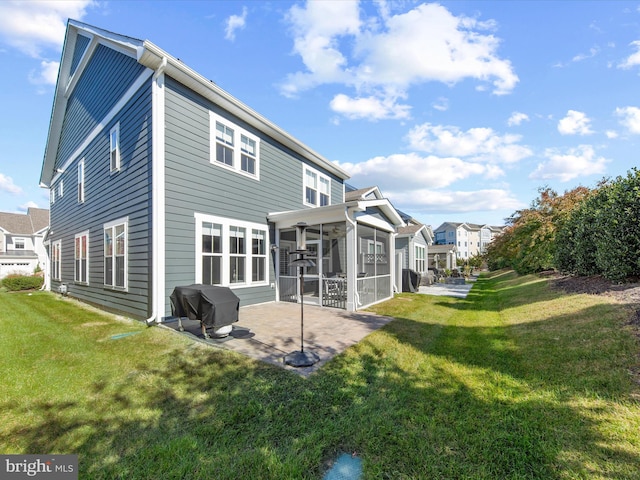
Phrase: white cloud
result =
(583, 56)
(409, 171)
(26, 206)
(47, 75)
(611, 134)
(575, 123)
(373, 108)
(37, 25)
(443, 201)
(476, 144)
(630, 118)
(382, 56)
(633, 59)
(7, 185)
(441, 104)
(235, 22)
(517, 118)
(574, 163)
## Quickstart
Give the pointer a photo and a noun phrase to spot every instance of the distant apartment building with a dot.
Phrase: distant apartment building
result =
(21, 241)
(469, 238)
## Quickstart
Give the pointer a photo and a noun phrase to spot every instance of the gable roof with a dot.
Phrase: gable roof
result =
(154, 58)
(367, 193)
(34, 221)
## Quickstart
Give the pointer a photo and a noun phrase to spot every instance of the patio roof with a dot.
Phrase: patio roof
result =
(336, 213)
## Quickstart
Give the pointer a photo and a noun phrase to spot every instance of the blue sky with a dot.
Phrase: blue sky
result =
(458, 111)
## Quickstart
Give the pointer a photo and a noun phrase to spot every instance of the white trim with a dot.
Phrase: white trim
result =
(81, 183)
(226, 223)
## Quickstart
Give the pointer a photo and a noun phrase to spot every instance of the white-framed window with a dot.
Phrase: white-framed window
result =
(61, 188)
(19, 243)
(115, 254)
(230, 252)
(114, 148)
(81, 257)
(420, 258)
(81, 181)
(317, 188)
(233, 147)
(56, 250)
(52, 195)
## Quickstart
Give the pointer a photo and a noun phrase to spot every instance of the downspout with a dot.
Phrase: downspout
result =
(157, 185)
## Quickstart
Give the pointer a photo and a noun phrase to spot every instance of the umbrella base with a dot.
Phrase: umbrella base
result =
(301, 359)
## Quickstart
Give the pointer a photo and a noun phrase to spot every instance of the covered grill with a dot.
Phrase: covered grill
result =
(215, 307)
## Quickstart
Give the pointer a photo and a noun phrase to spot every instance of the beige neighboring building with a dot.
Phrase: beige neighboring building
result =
(470, 239)
(22, 241)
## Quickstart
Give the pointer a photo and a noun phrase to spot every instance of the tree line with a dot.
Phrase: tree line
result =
(585, 231)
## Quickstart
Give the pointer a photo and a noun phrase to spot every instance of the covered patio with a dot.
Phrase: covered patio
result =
(351, 246)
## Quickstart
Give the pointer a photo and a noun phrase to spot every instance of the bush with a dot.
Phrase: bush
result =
(22, 282)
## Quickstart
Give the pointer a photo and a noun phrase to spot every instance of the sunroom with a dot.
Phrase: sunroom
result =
(351, 249)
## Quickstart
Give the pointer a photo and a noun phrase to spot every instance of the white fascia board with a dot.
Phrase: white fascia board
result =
(311, 216)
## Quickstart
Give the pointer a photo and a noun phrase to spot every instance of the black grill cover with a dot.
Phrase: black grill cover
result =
(213, 306)
(410, 280)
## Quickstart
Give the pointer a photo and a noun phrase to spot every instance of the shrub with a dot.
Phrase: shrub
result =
(22, 282)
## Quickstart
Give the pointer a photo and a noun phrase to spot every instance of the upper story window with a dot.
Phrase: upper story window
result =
(233, 147)
(317, 188)
(52, 195)
(114, 148)
(81, 181)
(61, 188)
(19, 243)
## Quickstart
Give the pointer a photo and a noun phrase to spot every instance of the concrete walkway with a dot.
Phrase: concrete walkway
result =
(448, 290)
(270, 331)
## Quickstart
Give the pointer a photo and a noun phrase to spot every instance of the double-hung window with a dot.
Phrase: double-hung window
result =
(81, 255)
(114, 148)
(317, 188)
(81, 181)
(233, 147)
(19, 243)
(211, 253)
(56, 250)
(248, 155)
(224, 144)
(230, 252)
(420, 263)
(115, 254)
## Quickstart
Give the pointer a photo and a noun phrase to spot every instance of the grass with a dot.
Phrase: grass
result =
(514, 382)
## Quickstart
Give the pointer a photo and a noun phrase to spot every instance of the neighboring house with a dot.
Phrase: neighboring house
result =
(470, 239)
(22, 249)
(413, 242)
(160, 178)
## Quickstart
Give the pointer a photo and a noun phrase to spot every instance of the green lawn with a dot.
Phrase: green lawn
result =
(515, 382)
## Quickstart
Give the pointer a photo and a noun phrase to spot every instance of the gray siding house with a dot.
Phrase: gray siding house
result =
(159, 178)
